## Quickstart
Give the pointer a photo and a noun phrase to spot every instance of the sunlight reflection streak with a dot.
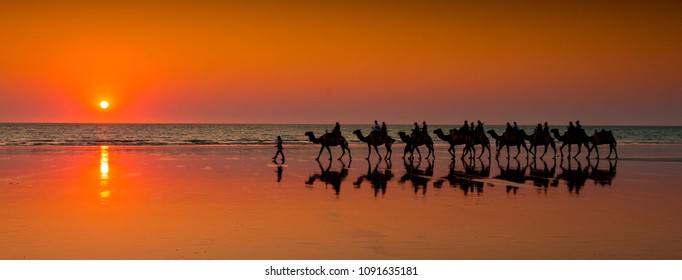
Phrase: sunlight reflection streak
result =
(104, 173)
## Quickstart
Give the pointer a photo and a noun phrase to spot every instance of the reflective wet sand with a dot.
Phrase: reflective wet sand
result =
(233, 202)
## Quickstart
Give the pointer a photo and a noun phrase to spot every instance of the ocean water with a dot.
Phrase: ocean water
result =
(33, 134)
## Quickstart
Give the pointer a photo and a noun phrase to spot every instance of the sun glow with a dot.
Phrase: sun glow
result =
(104, 104)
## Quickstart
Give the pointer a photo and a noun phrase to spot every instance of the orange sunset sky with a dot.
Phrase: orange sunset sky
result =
(615, 62)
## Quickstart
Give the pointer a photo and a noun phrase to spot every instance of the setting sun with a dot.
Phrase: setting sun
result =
(104, 104)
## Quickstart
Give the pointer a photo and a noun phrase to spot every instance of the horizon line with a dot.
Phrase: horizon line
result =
(225, 123)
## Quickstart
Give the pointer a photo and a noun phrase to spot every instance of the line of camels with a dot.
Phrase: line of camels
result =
(471, 139)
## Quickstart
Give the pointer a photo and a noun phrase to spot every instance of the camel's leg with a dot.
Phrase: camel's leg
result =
(431, 152)
(320, 153)
(543, 154)
(561, 149)
(580, 147)
(369, 151)
(418, 152)
(484, 148)
(614, 149)
(451, 150)
(508, 155)
(343, 152)
(377, 150)
(518, 151)
(610, 150)
(535, 150)
(330, 152)
(473, 152)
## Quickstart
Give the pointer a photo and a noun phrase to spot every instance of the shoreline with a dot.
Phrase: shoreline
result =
(627, 152)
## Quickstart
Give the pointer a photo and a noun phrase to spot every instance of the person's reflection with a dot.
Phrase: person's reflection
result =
(601, 176)
(329, 177)
(515, 175)
(280, 169)
(104, 191)
(378, 179)
(542, 177)
(575, 178)
(418, 177)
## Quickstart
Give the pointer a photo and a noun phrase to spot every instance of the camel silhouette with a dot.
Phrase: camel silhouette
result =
(414, 141)
(329, 140)
(539, 139)
(570, 139)
(456, 138)
(479, 138)
(602, 138)
(376, 138)
(509, 140)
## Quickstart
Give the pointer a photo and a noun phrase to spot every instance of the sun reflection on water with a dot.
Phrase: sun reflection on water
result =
(104, 192)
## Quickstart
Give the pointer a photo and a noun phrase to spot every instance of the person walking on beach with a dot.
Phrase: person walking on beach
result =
(279, 150)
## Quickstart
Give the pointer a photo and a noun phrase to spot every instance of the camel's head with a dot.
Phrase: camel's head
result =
(357, 132)
(310, 134)
(556, 130)
(491, 131)
(438, 131)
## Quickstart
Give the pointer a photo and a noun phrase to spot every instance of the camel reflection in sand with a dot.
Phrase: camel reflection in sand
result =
(603, 177)
(575, 178)
(469, 180)
(573, 173)
(541, 177)
(515, 175)
(418, 177)
(330, 177)
(378, 179)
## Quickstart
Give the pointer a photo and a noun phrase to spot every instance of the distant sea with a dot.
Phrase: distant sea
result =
(35, 134)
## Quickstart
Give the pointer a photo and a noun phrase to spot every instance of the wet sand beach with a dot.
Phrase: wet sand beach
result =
(233, 202)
